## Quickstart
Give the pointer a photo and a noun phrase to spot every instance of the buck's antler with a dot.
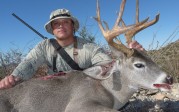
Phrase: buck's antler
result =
(129, 31)
(139, 25)
(117, 30)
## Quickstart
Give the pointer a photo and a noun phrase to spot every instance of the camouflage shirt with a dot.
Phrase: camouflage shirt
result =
(89, 54)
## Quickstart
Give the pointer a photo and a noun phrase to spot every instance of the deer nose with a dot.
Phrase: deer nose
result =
(169, 79)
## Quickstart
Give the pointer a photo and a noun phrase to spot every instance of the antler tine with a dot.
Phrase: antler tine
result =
(122, 6)
(139, 25)
(98, 18)
(117, 30)
(147, 24)
(106, 24)
(137, 11)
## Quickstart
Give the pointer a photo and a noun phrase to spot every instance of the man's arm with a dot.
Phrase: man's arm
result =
(26, 68)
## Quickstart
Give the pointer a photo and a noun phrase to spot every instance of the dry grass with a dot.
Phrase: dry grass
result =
(168, 59)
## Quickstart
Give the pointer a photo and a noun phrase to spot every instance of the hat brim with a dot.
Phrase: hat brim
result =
(48, 26)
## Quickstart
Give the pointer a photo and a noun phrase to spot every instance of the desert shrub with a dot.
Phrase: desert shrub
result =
(9, 60)
(168, 59)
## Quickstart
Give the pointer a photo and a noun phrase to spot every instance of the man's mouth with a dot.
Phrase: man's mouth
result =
(61, 31)
(164, 86)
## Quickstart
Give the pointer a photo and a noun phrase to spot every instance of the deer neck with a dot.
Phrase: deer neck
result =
(119, 86)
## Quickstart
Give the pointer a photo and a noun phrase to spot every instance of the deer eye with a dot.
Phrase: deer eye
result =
(139, 65)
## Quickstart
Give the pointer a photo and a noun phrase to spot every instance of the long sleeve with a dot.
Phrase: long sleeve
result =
(33, 60)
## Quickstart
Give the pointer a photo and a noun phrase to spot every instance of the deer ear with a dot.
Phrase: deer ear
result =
(116, 53)
(98, 72)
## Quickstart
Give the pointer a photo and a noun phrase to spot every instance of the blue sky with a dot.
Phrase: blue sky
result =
(15, 35)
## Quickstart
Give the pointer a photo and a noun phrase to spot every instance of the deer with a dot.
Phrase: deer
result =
(102, 88)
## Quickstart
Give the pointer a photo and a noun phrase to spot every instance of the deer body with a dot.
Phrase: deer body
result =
(82, 92)
(77, 93)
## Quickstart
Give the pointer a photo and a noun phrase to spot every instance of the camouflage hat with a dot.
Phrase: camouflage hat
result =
(60, 13)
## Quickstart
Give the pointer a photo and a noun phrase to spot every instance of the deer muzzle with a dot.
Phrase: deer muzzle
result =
(169, 79)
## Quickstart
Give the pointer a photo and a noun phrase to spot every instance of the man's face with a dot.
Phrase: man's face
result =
(63, 28)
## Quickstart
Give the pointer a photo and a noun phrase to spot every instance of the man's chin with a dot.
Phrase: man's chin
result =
(61, 38)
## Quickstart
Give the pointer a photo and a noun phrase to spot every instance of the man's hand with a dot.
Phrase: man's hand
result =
(134, 44)
(8, 82)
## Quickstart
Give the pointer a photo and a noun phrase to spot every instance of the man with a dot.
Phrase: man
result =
(63, 26)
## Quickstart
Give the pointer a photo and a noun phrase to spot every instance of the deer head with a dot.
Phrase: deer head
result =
(136, 60)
